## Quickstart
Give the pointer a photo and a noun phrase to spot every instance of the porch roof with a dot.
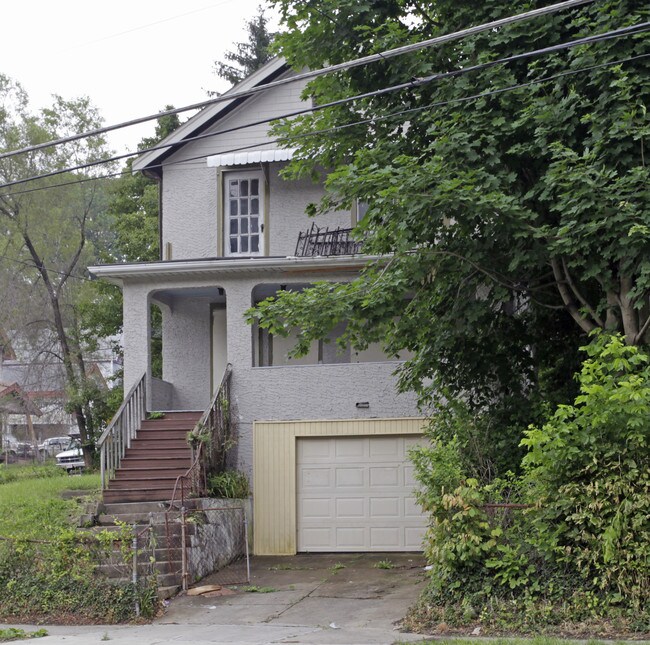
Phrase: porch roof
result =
(119, 273)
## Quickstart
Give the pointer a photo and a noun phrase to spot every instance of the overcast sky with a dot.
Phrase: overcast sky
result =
(130, 57)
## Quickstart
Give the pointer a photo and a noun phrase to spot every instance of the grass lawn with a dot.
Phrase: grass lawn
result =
(31, 505)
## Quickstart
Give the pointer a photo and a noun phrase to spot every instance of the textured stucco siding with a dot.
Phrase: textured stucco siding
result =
(189, 196)
(186, 352)
(262, 393)
(190, 189)
(288, 201)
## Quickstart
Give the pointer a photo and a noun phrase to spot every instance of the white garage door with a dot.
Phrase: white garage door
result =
(356, 494)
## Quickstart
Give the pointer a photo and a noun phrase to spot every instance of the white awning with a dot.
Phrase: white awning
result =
(254, 156)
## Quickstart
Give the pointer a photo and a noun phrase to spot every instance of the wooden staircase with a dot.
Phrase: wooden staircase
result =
(154, 460)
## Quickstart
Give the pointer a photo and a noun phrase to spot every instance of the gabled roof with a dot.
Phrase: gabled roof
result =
(15, 400)
(208, 116)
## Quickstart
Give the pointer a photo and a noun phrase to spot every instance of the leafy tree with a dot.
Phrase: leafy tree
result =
(133, 211)
(47, 236)
(511, 223)
(249, 56)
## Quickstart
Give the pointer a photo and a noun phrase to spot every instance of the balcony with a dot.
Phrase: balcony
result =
(325, 242)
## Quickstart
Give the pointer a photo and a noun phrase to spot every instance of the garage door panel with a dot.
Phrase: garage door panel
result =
(314, 508)
(316, 478)
(368, 496)
(413, 537)
(349, 538)
(317, 538)
(385, 538)
(354, 507)
(384, 476)
(409, 476)
(385, 448)
(349, 477)
(385, 507)
(315, 449)
(412, 508)
(351, 449)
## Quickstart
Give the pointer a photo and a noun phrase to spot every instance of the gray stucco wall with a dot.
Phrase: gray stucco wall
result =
(190, 187)
(186, 352)
(259, 393)
(190, 208)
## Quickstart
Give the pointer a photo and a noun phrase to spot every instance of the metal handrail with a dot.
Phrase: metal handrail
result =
(122, 429)
(196, 473)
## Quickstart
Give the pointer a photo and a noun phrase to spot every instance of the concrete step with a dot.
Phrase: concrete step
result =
(172, 530)
(165, 593)
(134, 507)
(120, 569)
(138, 495)
(166, 580)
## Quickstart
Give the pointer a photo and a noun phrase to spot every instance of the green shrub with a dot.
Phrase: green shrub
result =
(230, 484)
(580, 551)
(589, 469)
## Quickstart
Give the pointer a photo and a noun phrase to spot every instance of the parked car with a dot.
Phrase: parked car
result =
(71, 459)
(12, 450)
(53, 445)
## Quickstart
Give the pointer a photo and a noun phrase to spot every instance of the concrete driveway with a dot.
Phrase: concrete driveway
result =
(318, 599)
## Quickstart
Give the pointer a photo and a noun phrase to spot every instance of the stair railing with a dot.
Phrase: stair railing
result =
(122, 429)
(210, 441)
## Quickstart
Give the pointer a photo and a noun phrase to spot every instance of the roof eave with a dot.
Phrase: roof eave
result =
(208, 115)
(117, 273)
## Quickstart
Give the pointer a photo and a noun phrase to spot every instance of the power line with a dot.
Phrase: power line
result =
(373, 119)
(639, 28)
(358, 62)
(145, 26)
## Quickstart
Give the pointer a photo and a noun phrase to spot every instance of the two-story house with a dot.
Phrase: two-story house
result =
(323, 438)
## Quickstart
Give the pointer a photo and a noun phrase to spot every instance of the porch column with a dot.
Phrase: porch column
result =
(137, 332)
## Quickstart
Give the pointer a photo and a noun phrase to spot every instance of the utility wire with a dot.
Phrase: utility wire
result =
(639, 28)
(358, 62)
(333, 129)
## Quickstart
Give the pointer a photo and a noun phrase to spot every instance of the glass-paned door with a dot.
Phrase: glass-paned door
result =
(244, 214)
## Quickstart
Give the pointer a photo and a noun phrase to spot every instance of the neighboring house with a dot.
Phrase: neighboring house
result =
(325, 437)
(32, 374)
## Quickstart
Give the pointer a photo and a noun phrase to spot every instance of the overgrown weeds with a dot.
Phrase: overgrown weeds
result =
(48, 570)
(565, 545)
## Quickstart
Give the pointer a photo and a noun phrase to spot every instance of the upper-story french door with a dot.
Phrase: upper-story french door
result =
(244, 215)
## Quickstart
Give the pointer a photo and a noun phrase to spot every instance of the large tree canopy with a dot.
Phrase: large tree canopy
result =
(511, 203)
(48, 230)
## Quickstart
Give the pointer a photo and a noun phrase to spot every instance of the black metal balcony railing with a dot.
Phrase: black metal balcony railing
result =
(323, 241)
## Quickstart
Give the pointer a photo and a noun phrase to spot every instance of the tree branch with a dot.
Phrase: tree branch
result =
(570, 304)
(579, 296)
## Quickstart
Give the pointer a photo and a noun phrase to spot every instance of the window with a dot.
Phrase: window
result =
(244, 213)
(362, 209)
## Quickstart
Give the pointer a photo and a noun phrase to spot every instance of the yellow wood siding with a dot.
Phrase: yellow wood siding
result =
(274, 471)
